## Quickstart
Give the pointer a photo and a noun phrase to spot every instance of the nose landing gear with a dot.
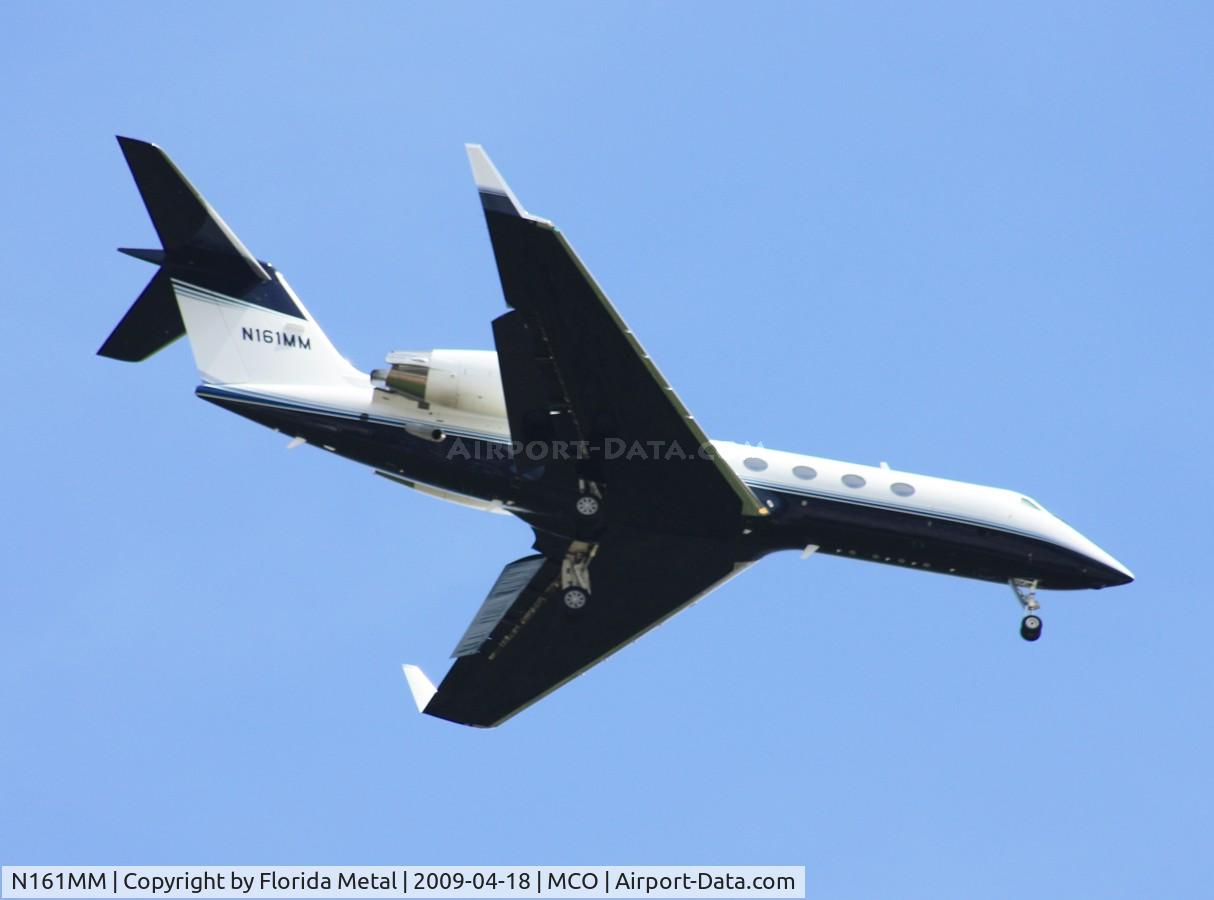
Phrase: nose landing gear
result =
(1030, 627)
(1025, 590)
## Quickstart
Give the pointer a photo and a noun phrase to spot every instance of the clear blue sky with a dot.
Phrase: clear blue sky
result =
(975, 244)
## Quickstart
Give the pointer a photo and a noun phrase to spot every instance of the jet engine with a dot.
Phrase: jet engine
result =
(464, 380)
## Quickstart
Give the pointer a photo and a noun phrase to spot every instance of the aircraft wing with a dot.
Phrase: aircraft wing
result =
(573, 372)
(524, 642)
(673, 513)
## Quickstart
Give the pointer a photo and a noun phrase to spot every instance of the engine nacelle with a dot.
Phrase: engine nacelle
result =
(464, 380)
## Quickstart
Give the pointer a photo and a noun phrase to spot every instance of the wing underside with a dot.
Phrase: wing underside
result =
(672, 512)
(516, 652)
(578, 372)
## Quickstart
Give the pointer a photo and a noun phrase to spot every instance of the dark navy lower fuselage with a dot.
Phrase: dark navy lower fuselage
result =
(848, 528)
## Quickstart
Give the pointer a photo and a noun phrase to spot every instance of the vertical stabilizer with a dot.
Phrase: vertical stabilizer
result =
(244, 322)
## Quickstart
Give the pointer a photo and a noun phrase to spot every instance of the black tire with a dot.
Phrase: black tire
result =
(1030, 627)
(588, 506)
(575, 598)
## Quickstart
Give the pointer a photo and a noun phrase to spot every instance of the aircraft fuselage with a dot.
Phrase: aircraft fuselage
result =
(873, 514)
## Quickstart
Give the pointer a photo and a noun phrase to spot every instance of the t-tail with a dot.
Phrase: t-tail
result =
(244, 323)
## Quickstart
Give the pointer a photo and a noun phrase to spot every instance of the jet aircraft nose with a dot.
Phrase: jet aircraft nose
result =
(1097, 564)
(1108, 571)
(1118, 575)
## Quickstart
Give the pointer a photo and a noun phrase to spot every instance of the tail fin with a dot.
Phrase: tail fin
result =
(244, 322)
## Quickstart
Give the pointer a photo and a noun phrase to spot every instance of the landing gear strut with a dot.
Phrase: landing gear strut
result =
(575, 574)
(1025, 590)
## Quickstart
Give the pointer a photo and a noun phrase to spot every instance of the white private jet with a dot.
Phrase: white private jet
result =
(569, 426)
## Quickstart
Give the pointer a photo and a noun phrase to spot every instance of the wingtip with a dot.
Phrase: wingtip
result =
(421, 687)
(129, 143)
(496, 195)
(484, 172)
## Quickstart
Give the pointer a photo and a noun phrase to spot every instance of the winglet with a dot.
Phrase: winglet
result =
(496, 195)
(422, 688)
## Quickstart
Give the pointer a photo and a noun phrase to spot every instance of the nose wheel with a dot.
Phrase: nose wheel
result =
(1030, 627)
(1025, 590)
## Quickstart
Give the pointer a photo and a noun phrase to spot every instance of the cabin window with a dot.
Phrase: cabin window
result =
(755, 464)
(853, 481)
(902, 489)
(805, 473)
(1030, 504)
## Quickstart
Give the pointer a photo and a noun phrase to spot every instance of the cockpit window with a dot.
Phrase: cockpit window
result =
(1030, 504)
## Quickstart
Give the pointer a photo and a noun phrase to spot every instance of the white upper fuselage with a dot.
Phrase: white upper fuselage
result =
(881, 486)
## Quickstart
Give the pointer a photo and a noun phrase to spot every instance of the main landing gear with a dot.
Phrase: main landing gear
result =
(1025, 590)
(590, 500)
(575, 597)
(575, 574)
(575, 567)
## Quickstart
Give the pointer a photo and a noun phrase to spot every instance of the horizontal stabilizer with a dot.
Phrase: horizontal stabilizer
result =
(192, 233)
(420, 686)
(156, 257)
(152, 322)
